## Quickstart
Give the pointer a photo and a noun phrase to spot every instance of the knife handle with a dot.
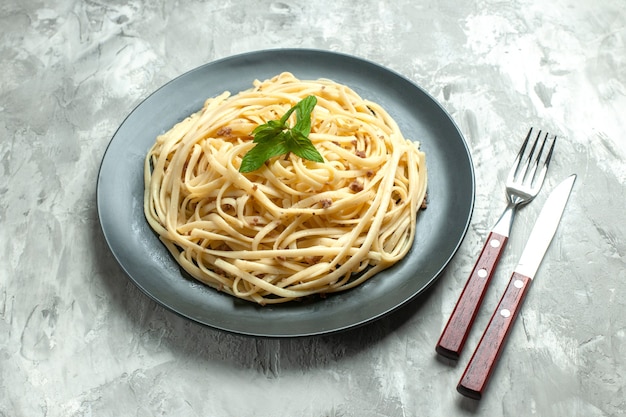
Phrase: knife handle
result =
(483, 361)
(460, 322)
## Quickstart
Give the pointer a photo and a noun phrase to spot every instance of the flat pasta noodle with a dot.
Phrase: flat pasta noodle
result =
(293, 228)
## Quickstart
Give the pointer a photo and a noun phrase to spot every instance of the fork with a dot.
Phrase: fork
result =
(523, 183)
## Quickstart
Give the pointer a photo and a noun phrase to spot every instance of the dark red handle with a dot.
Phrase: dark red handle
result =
(483, 361)
(456, 331)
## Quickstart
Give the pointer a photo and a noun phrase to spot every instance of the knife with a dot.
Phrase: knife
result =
(483, 361)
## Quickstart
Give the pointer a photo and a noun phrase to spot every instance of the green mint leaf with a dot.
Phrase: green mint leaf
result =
(267, 131)
(303, 114)
(304, 148)
(308, 152)
(256, 157)
(270, 125)
(283, 120)
(265, 135)
(276, 138)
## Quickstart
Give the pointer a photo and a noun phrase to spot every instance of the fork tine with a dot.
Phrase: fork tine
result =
(522, 175)
(529, 179)
(544, 169)
(518, 159)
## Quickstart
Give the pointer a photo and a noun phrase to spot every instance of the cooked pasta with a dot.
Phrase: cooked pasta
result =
(293, 228)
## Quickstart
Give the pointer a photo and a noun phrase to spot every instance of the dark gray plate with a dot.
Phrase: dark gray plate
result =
(440, 228)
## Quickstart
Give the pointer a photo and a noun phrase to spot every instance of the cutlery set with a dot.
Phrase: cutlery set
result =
(523, 184)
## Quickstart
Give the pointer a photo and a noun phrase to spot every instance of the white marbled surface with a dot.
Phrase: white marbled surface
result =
(77, 338)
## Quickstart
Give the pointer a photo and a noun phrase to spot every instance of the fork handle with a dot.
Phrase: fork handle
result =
(460, 322)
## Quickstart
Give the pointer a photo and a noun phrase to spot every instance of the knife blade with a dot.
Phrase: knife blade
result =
(482, 363)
